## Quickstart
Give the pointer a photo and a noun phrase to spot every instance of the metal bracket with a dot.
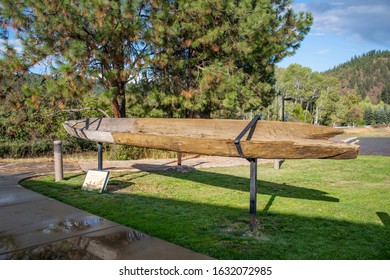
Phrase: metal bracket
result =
(251, 126)
(253, 169)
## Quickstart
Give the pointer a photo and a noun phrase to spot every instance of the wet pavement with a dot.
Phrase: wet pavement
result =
(374, 146)
(36, 227)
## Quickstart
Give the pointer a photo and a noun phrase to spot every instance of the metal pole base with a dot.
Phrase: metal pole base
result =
(253, 194)
(100, 156)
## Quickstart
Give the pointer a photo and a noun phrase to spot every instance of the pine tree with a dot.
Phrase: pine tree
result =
(385, 96)
(220, 55)
(380, 116)
(86, 40)
(387, 111)
(368, 115)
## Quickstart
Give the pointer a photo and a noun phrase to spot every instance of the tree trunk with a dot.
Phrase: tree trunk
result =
(205, 114)
(317, 115)
(118, 102)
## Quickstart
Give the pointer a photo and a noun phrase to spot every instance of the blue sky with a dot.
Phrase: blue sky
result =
(341, 29)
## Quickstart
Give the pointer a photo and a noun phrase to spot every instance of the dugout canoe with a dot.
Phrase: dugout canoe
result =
(216, 137)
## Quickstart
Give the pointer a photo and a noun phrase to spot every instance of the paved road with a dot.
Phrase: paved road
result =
(374, 146)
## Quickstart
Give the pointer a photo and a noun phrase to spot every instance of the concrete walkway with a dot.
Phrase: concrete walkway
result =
(37, 227)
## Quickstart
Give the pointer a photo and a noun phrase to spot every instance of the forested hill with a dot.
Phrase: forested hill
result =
(368, 75)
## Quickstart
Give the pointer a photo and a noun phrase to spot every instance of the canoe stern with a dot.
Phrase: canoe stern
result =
(84, 130)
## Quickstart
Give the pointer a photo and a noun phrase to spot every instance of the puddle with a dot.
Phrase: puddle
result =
(62, 250)
(72, 225)
(110, 246)
(7, 244)
(93, 246)
(134, 235)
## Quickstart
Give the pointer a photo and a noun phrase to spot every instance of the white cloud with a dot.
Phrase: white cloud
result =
(356, 19)
(323, 51)
(15, 43)
(317, 34)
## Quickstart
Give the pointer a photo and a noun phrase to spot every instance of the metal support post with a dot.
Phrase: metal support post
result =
(253, 169)
(253, 193)
(100, 156)
(58, 161)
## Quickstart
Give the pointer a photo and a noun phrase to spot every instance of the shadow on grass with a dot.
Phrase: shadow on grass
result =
(222, 231)
(242, 184)
(385, 218)
(116, 183)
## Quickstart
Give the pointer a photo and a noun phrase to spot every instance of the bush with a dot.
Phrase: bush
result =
(120, 152)
(18, 149)
(22, 149)
(74, 145)
(71, 145)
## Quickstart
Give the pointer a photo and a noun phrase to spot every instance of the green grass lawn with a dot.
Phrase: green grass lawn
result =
(309, 209)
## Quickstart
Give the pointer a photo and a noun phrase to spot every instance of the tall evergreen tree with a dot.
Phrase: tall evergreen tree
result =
(380, 116)
(368, 116)
(220, 55)
(84, 40)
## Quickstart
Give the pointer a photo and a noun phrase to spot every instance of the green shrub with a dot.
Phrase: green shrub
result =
(39, 148)
(71, 145)
(19, 149)
(120, 152)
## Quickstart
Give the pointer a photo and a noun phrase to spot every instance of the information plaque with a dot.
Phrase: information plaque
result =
(95, 180)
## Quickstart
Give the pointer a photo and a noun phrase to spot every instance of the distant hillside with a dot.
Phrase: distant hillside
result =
(368, 74)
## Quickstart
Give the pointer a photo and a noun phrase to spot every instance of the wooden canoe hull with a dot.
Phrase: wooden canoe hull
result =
(270, 140)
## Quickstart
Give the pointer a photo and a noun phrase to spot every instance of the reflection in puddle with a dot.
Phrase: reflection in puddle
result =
(7, 244)
(134, 235)
(71, 225)
(112, 244)
(62, 250)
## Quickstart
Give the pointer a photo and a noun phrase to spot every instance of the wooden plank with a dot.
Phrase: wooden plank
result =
(271, 140)
(202, 128)
(221, 129)
(90, 129)
(286, 149)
